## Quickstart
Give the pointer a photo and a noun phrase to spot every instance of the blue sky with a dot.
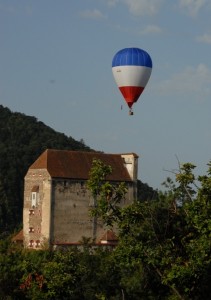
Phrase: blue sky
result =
(55, 64)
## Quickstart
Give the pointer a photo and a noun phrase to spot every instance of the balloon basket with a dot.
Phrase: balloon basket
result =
(130, 113)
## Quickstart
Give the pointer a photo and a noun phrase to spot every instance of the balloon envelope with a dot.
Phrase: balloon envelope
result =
(131, 69)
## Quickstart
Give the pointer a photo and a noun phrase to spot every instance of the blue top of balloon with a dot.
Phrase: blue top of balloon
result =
(132, 57)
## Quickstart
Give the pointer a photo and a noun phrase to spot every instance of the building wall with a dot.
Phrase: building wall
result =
(71, 205)
(62, 211)
(70, 211)
(131, 163)
(36, 220)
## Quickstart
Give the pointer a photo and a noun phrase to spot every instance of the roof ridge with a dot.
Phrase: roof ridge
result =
(77, 164)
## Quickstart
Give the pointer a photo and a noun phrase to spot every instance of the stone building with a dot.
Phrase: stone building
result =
(57, 202)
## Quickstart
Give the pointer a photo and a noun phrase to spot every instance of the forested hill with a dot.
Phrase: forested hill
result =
(22, 139)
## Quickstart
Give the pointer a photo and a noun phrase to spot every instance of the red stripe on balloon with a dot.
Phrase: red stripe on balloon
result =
(131, 93)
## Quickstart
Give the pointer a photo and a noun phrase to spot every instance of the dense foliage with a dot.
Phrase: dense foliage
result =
(145, 192)
(164, 249)
(22, 140)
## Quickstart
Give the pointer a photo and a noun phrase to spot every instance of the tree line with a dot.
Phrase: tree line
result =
(22, 139)
(163, 251)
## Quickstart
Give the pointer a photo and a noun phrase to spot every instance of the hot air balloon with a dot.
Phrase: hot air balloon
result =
(131, 68)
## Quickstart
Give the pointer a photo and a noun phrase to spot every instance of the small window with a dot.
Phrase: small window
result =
(31, 229)
(31, 243)
(34, 199)
(35, 196)
(37, 244)
(31, 212)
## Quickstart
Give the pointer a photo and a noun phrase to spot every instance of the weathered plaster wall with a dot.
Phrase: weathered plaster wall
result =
(70, 211)
(61, 215)
(131, 163)
(37, 219)
(71, 204)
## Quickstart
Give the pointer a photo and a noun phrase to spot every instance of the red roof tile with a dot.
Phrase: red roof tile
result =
(35, 188)
(18, 237)
(77, 164)
(109, 236)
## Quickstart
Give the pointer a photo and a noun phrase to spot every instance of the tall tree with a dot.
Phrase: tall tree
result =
(107, 195)
(165, 244)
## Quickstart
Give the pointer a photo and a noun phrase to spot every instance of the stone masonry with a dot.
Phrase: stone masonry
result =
(57, 202)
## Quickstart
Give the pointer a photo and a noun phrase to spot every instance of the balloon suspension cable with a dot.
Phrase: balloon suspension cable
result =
(130, 112)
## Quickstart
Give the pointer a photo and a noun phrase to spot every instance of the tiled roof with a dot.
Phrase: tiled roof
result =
(109, 236)
(35, 188)
(18, 237)
(77, 164)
